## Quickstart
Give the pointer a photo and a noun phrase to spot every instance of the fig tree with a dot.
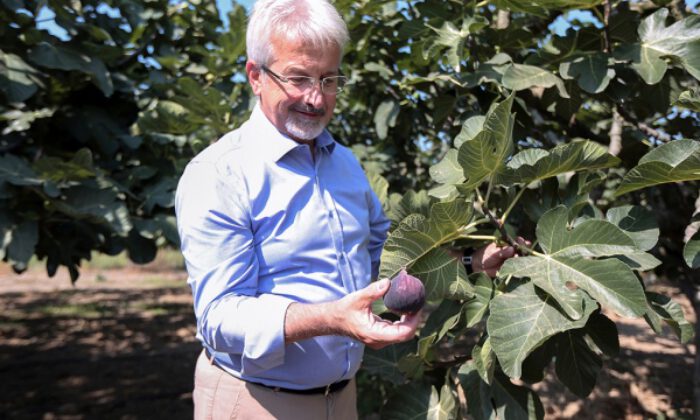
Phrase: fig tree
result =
(406, 295)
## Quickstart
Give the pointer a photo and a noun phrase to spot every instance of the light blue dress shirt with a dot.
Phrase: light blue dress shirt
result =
(262, 224)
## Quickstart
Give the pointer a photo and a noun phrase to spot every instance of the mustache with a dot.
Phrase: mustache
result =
(309, 109)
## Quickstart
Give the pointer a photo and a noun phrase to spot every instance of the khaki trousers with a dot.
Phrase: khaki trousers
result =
(219, 395)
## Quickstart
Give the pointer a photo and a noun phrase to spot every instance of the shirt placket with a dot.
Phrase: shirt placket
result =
(336, 227)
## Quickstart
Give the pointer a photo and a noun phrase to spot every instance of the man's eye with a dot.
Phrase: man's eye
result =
(298, 80)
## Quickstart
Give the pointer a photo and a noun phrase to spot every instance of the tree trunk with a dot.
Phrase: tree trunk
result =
(502, 19)
(615, 133)
(689, 288)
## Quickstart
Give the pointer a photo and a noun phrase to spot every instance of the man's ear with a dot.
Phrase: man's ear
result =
(254, 74)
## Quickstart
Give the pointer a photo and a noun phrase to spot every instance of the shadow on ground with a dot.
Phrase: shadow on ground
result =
(100, 353)
(121, 345)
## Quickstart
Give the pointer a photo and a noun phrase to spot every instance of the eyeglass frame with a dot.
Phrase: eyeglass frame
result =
(314, 80)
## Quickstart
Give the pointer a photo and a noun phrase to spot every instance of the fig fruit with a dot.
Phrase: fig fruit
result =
(406, 295)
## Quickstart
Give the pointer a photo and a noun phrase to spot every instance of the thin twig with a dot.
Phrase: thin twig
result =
(512, 205)
(482, 237)
(606, 26)
(644, 127)
(504, 234)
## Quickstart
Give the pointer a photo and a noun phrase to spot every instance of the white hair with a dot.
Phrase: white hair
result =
(314, 22)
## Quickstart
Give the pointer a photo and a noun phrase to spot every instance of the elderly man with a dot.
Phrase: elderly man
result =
(282, 235)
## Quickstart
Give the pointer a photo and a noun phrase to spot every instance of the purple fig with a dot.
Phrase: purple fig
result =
(406, 295)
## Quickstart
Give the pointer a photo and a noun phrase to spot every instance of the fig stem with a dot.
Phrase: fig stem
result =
(497, 223)
(510, 208)
(488, 190)
(506, 237)
(483, 237)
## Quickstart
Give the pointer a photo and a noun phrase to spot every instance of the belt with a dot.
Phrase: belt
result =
(324, 390)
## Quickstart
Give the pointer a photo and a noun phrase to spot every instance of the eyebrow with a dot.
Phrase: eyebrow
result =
(301, 72)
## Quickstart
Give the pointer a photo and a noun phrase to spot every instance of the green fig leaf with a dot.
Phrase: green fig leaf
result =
(524, 318)
(675, 161)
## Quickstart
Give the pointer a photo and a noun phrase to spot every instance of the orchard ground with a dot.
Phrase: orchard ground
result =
(121, 344)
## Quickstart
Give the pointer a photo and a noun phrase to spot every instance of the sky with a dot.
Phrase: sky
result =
(225, 5)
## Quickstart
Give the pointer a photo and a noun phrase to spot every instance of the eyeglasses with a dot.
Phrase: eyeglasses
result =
(330, 85)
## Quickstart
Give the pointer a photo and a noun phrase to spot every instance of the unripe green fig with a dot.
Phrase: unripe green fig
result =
(406, 295)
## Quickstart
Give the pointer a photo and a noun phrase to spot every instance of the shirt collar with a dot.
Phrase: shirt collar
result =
(273, 144)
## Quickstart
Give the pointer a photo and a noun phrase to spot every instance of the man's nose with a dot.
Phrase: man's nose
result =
(314, 95)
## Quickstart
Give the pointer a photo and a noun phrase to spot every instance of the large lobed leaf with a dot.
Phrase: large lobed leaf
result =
(524, 318)
(676, 161)
(663, 308)
(524, 76)
(500, 400)
(421, 401)
(414, 245)
(57, 57)
(449, 36)
(448, 173)
(483, 291)
(538, 164)
(681, 41)
(565, 265)
(384, 362)
(441, 273)
(410, 203)
(484, 156)
(638, 223)
(577, 366)
(591, 71)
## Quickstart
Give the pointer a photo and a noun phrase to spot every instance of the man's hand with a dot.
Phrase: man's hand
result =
(490, 258)
(354, 317)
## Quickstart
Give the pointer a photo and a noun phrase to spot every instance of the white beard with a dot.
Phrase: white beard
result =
(301, 128)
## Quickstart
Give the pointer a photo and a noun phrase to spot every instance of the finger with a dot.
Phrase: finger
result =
(375, 291)
(378, 289)
(499, 256)
(410, 319)
(395, 332)
(507, 252)
(523, 241)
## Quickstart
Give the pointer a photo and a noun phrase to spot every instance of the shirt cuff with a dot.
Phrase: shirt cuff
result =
(264, 334)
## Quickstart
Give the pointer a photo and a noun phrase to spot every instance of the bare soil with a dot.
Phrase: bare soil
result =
(121, 344)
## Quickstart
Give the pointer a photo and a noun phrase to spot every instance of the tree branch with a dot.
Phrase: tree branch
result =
(615, 145)
(642, 126)
(677, 10)
(502, 230)
(606, 26)
(502, 19)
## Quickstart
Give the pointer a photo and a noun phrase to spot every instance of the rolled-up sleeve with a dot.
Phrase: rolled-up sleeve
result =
(379, 227)
(218, 246)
